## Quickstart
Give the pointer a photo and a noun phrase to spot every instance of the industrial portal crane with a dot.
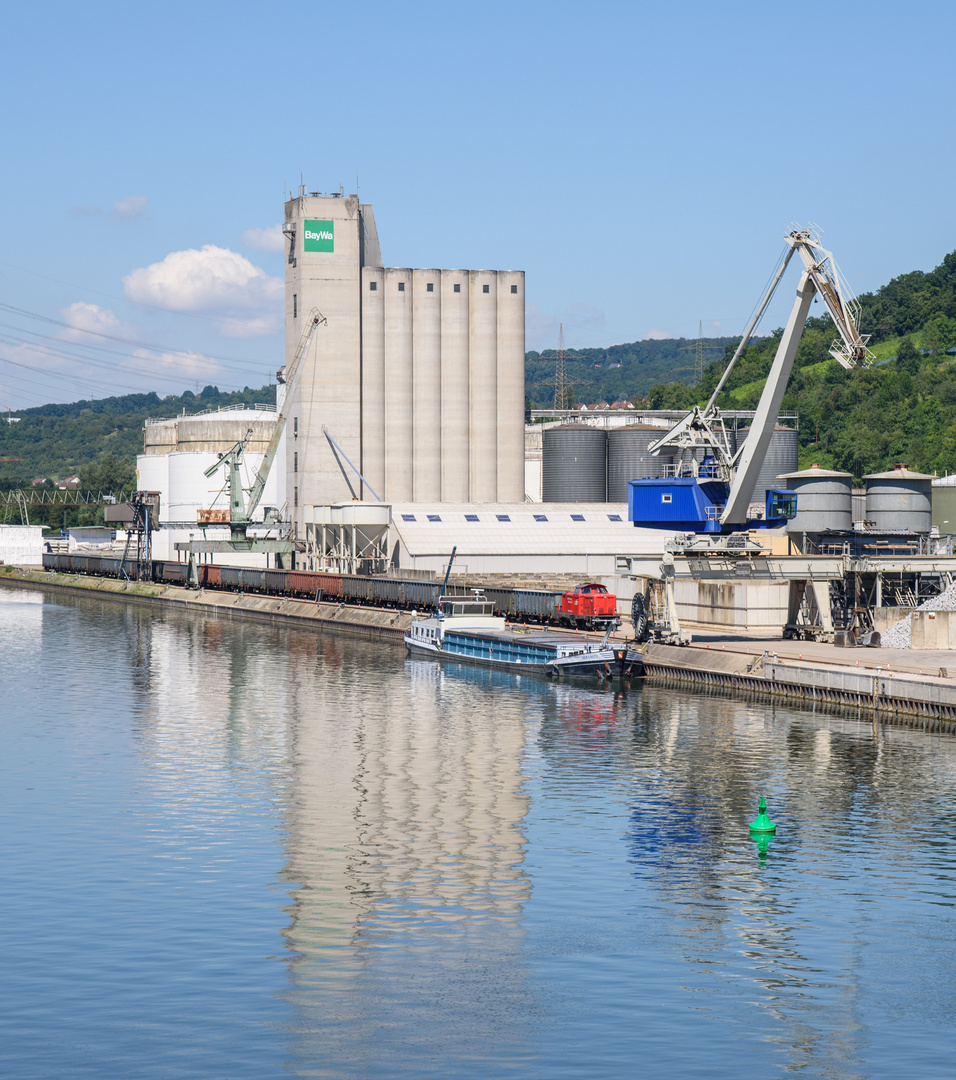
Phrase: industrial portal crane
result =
(716, 497)
(242, 504)
(241, 510)
(713, 501)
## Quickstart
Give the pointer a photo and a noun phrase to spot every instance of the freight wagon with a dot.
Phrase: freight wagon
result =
(589, 605)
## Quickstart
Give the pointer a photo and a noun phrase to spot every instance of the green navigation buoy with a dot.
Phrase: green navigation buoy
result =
(762, 823)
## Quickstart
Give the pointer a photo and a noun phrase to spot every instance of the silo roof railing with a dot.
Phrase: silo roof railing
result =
(213, 412)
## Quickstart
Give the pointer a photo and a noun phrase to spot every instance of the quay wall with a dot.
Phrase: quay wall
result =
(926, 701)
(929, 700)
(366, 622)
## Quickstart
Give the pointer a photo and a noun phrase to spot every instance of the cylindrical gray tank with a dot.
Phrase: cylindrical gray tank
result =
(628, 459)
(824, 500)
(944, 505)
(574, 464)
(781, 458)
(899, 501)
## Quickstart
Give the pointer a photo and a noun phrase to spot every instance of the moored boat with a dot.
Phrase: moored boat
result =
(466, 630)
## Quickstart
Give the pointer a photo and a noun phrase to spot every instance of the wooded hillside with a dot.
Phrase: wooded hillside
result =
(56, 441)
(901, 409)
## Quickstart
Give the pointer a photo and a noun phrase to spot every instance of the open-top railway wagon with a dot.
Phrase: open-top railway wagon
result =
(589, 605)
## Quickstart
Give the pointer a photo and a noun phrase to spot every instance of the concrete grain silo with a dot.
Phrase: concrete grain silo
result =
(399, 400)
(483, 349)
(511, 389)
(426, 383)
(455, 378)
(417, 374)
(373, 375)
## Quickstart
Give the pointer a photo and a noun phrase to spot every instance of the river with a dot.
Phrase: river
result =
(236, 850)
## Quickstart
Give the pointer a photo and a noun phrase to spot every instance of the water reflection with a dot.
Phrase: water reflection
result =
(338, 861)
(405, 852)
(842, 799)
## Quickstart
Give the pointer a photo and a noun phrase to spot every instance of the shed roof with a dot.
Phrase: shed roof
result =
(899, 474)
(813, 471)
(523, 529)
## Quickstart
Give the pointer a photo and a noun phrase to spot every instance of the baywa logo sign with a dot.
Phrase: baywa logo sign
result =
(320, 236)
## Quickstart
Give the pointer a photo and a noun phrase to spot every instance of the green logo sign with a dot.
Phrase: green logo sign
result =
(319, 236)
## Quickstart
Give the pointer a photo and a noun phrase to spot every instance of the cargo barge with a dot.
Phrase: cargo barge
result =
(467, 630)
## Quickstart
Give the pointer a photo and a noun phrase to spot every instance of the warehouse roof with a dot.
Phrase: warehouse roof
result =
(523, 529)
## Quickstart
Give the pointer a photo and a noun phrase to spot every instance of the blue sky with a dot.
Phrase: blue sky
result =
(640, 162)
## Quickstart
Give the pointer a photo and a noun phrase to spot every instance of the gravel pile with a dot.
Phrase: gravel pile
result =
(899, 635)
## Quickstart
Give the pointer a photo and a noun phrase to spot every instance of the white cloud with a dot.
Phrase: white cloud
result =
(130, 208)
(211, 279)
(270, 239)
(656, 334)
(187, 364)
(81, 319)
(85, 320)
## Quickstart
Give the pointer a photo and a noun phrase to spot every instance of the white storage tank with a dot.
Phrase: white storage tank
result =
(899, 501)
(824, 500)
(189, 491)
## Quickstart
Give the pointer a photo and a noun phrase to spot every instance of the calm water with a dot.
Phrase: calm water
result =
(229, 850)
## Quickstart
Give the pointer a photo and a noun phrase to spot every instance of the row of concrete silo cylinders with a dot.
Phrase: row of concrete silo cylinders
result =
(898, 501)
(590, 464)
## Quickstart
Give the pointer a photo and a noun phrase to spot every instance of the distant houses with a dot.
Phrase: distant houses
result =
(603, 406)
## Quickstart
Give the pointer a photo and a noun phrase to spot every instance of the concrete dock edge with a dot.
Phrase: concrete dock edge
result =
(923, 701)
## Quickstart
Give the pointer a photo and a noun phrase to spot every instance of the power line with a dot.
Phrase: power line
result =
(114, 337)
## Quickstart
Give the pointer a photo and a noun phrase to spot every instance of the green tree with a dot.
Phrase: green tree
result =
(939, 334)
(907, 356)
(110, 473)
